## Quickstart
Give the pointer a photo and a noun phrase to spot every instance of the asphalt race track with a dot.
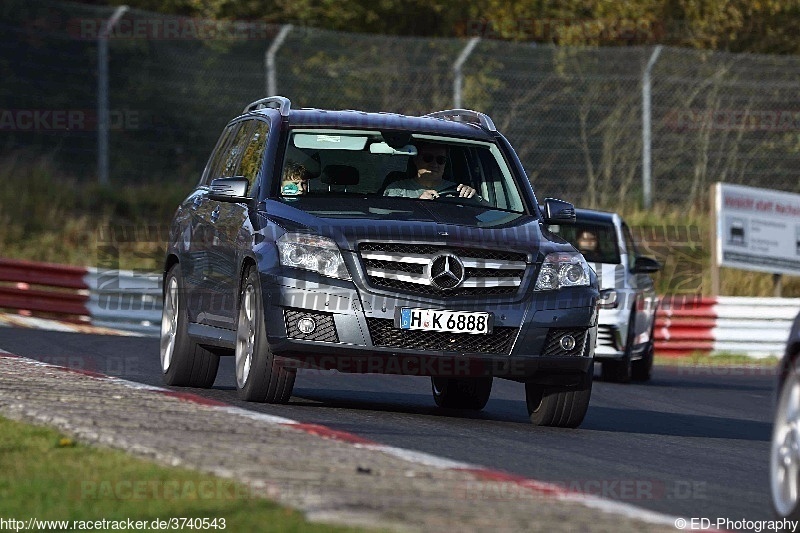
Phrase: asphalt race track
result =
(693, 442)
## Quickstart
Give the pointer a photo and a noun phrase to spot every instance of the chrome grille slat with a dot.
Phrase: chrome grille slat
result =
(399, 275)
(491, 282)
(397, 258)
(483, 263)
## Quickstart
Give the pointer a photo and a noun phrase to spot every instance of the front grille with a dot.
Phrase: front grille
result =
(607, 336)
(407, 267)
(552, 345)
(324, 332)
(384, 333)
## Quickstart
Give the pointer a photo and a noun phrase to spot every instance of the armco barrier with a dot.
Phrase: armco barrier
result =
(758, 327)
(131, 301)
(113, 298)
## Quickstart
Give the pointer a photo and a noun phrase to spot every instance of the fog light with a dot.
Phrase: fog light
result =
(567, 343)
(306, 325)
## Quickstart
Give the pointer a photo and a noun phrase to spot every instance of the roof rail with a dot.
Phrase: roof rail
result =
(281, 102)
(458, 114)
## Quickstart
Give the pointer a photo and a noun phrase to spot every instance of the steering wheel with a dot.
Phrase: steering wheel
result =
(452, 192)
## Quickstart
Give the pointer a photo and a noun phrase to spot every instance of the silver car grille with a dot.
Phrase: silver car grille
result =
(607, 336)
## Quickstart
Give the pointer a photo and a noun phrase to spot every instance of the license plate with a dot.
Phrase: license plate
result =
(474, 323)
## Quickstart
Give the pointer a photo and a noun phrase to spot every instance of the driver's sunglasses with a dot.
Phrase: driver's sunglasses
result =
(429, 158)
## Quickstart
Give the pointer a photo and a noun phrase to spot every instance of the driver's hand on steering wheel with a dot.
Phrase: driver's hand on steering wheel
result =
(429, 194)
(465, 191)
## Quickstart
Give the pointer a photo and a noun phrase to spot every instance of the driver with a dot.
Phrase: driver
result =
(427, 184)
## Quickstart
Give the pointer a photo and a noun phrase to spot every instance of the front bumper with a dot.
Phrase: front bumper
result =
(356, 332)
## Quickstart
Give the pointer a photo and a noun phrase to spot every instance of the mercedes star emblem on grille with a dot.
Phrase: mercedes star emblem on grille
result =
(446, 271)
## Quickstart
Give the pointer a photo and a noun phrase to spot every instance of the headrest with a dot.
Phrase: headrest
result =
(340, 175)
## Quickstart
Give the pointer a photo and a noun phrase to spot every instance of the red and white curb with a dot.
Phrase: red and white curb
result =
(420, 458)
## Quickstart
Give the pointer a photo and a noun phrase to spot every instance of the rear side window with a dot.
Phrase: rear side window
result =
(220, 152)
(235, 151)
(253, 154)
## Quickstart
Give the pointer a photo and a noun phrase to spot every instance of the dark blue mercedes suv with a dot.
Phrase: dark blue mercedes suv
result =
(377, 243)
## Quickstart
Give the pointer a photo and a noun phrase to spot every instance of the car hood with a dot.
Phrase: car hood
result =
(423, 221)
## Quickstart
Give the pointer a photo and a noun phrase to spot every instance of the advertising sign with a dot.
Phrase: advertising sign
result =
(757, 229)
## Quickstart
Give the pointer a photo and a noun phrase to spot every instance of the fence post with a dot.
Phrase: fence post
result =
(102, 94)
(647, 184)
(269, 58)
(458, 77)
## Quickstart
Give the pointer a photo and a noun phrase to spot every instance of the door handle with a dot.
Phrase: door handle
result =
(215, 214)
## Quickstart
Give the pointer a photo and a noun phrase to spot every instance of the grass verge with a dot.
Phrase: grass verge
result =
(46, 475)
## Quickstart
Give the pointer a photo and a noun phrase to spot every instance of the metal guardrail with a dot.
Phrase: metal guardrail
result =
(120, 299)
(124, 299)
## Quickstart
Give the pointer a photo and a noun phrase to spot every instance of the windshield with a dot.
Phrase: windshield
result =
(334, 164)
(596, 241)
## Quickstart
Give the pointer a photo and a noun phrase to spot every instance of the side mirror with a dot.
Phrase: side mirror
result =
(558, 211)
(229, 190)
(645, 265)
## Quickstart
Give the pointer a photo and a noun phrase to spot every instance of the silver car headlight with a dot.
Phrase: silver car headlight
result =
(562, 269)
(608, 299)
(312, 252)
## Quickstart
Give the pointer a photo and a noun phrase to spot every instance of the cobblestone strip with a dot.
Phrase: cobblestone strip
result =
(330, 476)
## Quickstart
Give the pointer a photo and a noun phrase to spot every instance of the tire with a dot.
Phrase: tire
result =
(784, 463)
(469, 394)
(184, 363)
(259, 377)
(620, 371)
(642, 369)
(558, 407)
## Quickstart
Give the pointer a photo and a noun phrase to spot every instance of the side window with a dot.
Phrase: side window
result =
(630, 245)
(234, 152)
(254, 152)
(220, 151)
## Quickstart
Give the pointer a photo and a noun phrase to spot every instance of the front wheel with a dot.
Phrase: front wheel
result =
(784, 464)
(183, 362)
(642, 369)
(559, 407)
(259, 377)
(468, 393)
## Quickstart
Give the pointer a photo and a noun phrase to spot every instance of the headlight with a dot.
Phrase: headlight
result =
(563, 269)
(607, 299)
(312, 252)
